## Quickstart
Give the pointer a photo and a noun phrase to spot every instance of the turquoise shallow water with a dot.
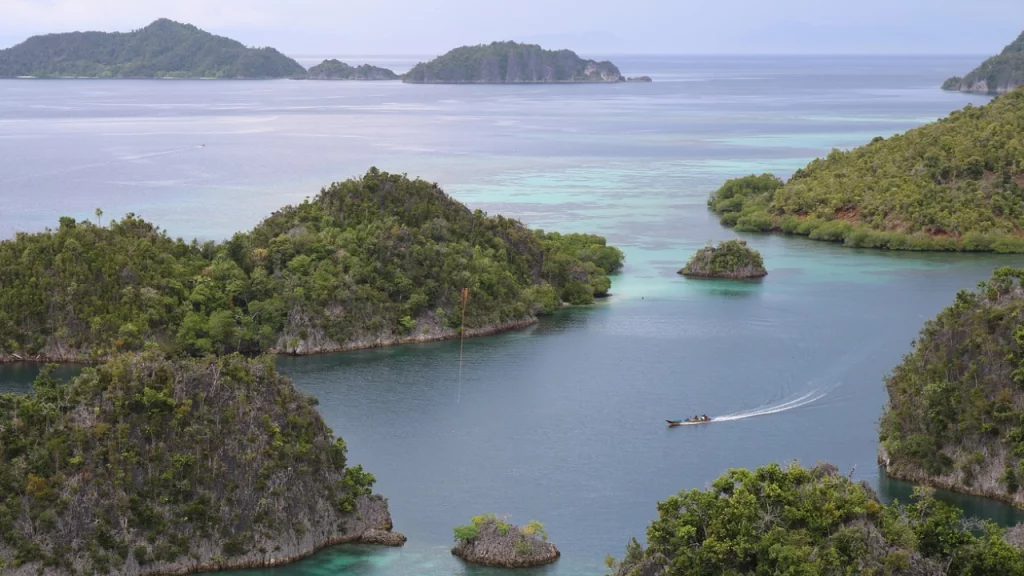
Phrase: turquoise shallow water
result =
(562, 422)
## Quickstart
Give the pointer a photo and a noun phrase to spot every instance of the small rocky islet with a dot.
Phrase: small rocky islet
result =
(491, 541)
(729, 259)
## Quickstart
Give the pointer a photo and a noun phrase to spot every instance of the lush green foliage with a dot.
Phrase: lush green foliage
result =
(155, 458)
(1000, 73)
(500, 62)
(955, 184)
(815, 522)
(336, 70)
(955, 402)
(730, 259)
(380, 257)
(162, 49)
(470, 532)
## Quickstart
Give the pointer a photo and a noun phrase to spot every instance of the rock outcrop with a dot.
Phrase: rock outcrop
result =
(997, 75)
(513, 63)
(162, 467)
(494, 542)
(730, 259)
(337, 70)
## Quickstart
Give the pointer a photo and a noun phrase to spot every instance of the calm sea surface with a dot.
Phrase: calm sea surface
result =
(563, 422)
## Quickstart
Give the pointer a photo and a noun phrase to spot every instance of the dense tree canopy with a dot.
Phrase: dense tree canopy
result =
(162, 49)
(998, 74)
(799, 522)
(145, 462)
(500, 62)
(956, 403)
(381, 256)
(955, 184)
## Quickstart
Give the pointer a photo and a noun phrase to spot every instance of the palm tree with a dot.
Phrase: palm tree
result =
(99, 216)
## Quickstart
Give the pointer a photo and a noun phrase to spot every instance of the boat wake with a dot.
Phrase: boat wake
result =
(807, 399)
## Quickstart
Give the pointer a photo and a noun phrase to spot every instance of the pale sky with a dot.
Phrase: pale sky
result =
(428, 27)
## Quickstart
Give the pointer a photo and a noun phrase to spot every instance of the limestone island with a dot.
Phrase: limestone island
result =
(373, 261)
(164, 49)
(145, 465)
(511, 63)
(997, 75)
(955, 416)
(336, 70)
(491, 541)
(730, 259)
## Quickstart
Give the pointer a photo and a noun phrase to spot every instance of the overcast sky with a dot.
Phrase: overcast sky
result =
(427, 27)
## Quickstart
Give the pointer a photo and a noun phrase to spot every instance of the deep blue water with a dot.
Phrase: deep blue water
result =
(562, 422)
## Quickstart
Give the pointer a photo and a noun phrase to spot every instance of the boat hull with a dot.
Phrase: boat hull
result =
(674, 423)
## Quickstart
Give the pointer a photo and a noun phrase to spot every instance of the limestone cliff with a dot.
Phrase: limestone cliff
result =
(151, 466)
(954, 417)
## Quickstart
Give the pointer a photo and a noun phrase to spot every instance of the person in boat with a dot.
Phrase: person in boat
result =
(705, 418)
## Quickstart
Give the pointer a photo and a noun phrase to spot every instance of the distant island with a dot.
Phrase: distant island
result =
(954, 417)
(337, 70)
(510, 63)
(793, 520)
(952, 185)
(730, 259)
(997, 75)
(164, 49)
(372, 261)
(491, 541)
(145, 465)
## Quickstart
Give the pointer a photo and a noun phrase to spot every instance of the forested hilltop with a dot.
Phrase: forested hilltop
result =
(815, 522)
(370, 261)
(954, 184)
(955, 416)
(997, 75)
(162, 49)
(150, 466)
(337, 70)
(510, 62)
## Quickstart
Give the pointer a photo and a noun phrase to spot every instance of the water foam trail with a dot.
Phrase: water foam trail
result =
(809, 398)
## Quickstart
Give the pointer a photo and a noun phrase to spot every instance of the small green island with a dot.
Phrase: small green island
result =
(145, 465)
(999, 74)
(491, 541)
(954, 417)
(794, 520)
(730, 259)
(372, 261)
(336, 70)
(953, 185)
(164, 49)
(510, 63)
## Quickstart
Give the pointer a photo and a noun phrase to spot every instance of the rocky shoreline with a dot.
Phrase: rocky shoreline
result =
(992, 490)
(313, 345)
(372, 525)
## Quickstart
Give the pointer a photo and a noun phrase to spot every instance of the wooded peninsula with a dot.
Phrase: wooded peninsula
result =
(953, 185)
